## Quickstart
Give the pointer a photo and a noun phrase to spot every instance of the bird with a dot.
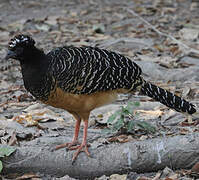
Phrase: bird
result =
(80, 79)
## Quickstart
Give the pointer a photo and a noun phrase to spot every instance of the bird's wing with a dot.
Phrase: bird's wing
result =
(86, 70)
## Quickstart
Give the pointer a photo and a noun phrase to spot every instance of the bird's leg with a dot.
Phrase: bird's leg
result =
(83, 146)
(75, 136)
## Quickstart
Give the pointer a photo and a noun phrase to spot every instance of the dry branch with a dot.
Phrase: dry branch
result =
(141, 156)
(186, 48)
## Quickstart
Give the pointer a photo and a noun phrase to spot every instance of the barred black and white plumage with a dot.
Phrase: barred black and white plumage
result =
(167, 98)
(85, 71)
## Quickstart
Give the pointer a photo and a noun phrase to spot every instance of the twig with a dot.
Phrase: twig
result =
(13, 139)
(186, 48)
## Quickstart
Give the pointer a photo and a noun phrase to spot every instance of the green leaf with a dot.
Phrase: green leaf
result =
(125, 111)
(112, 117)
(117, 121)
(1, 166)
(137, 104)
(106, 131)
(146, 126)
(119, 124)
(130, 125)
(6, 151)
(131, 105)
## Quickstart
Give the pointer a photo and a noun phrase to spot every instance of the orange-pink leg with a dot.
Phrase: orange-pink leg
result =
(73, 145)
(83, 146)
(75, 137)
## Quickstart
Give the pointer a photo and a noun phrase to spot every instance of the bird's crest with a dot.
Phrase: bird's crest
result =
(21, 40)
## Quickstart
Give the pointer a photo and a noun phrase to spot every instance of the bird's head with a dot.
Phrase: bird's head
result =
(19, 47)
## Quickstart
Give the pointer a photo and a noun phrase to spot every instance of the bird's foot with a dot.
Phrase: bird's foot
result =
(82, 147)
(68, 145)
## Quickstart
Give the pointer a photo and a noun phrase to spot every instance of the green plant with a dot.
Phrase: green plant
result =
(122, 120)
(5, 151)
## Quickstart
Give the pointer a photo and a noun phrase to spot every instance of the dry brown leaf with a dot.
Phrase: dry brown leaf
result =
(25, 119)
(28, 176)
(184, 65)
(98, 37)
(84, 12)
(188, 122)
(184, 131)
(174, 49)
(19, 104)
(121, 138)
(172, 177)
(41, 114)
(13, 139)
(52, 20)
(159, 47)
(169, 9)
(23, 97)
(112, 139)
(124, 138)
(193, 54)
(143, 137)
(73, 14)
(118, 177)
(146, 51)
(33, 119)
(169, 133)
(157, 176)
(153, 113)
(195, 168)
(31, 123)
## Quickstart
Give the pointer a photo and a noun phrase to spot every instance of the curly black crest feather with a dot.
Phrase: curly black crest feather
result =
(20, 41)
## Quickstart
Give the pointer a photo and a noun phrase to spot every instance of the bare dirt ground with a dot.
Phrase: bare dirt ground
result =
(163, 34)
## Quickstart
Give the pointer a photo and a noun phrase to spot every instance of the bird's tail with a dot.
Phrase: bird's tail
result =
(165, 97)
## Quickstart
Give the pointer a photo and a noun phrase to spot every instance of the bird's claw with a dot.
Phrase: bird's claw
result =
(82, 147)
(68, 145)
(74, 146)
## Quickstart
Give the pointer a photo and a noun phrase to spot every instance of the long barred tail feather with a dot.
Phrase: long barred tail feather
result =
(167, 98)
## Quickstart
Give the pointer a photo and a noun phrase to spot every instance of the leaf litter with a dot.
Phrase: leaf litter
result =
(117, 29)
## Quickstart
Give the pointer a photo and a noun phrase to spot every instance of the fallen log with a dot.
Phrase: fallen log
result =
(140, 156)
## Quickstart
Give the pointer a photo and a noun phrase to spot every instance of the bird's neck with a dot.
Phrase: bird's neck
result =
(33, 57)
(34, 64)
(35, 71)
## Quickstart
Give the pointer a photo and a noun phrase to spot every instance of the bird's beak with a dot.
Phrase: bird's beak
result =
(10, 54)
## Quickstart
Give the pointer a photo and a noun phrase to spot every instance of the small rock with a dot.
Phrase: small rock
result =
(66, 178)
(189, 34)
